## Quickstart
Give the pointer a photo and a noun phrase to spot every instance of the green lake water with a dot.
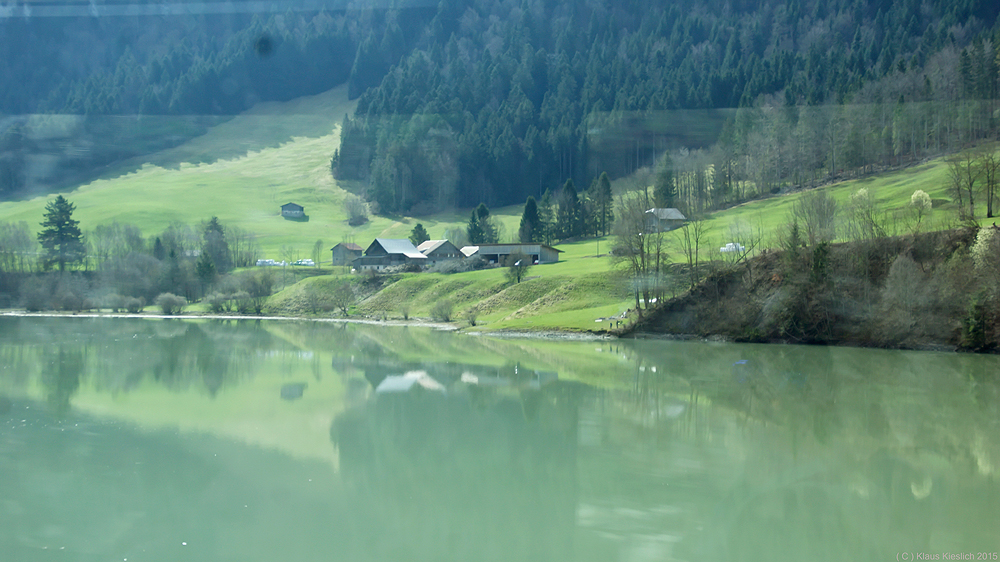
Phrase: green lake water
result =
(169, 440)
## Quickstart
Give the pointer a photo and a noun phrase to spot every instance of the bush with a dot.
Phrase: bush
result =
(244, 303)
(458, 266)
(218, 302)
(36, 295)
(115, 302)
(471, 315)
(357, 210)
(170, 303)
(443, 310)
(135, 305)
(405, 311)
(68, 300)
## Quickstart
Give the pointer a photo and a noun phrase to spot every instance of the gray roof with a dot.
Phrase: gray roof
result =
(520, 245)
(292, 206)
(469, 251)
(668, 214)
(429, 246)
(400, 246)
(350, 246)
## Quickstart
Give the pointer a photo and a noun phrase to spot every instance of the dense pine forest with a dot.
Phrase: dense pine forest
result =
(504, 100)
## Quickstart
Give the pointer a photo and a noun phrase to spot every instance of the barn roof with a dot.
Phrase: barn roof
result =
(400, 246)
(668, 214)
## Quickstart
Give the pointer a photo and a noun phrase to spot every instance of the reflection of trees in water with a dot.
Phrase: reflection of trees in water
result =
(116, 355)
(61, 378)
(838, 454)
(474, 475)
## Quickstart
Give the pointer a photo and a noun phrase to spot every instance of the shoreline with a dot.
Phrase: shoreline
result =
(547, 334)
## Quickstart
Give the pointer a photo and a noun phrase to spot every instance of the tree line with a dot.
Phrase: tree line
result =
(115, 266)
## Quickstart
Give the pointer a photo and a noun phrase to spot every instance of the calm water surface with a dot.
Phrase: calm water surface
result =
(166, 440)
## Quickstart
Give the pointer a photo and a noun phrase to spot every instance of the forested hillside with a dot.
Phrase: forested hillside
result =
(125, 86)
(505, 100)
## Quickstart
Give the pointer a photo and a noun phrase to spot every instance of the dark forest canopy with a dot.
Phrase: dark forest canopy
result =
(504, 100)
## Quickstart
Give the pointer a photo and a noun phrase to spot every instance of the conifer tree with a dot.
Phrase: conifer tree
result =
(529, 230)
(664, 189)
(216, 246)
(419, 235)
(60, 236)
(474, 230)
(604, 203)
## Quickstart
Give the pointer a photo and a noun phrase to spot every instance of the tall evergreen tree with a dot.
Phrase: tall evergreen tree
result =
(664, 188)
(474, 230)
(60, 236)
(605, 204)
(419, 235)
(568, 216)
(216, 246)
(529, 230)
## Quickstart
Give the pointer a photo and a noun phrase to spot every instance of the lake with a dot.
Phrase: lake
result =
(223, 440)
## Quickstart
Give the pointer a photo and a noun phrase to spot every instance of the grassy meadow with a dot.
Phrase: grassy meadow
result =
(243, 170)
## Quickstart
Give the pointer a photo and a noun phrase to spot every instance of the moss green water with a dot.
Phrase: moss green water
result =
(162, 440)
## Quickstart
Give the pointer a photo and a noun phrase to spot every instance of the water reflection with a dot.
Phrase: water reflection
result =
(468, 471)
(484, 449)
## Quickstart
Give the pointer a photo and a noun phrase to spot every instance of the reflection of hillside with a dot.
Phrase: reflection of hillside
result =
(86, 489)
(477, 474)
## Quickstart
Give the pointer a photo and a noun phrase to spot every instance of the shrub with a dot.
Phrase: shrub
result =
(443, 310)
(357, 210)
(405, 311)
(115, 302)
(218, 302)
(244, 303)
(170, 303)
(135, 305)
(36, 296)
(471, 315)
(68, 300)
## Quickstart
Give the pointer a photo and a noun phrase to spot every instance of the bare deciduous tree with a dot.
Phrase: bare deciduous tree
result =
(989, 169)
(638, 246)
(964, 173)
(356, 209)
(816, 212)
(691, 238)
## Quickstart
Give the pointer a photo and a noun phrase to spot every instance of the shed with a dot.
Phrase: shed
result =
(293, 210)
(497, 253)
(664, 220)
(345, 253)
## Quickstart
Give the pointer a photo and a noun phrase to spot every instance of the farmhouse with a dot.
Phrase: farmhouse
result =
(389, 252)
(293, 210)
(497, 253)
(439, 250)
(664, 220)
(345, 253)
